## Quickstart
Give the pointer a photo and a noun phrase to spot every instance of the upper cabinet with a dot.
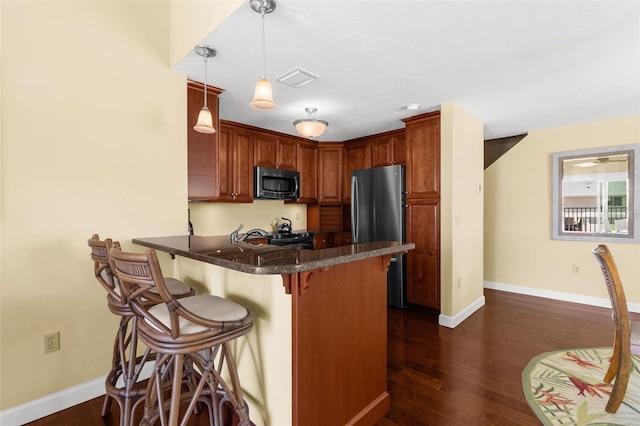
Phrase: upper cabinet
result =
(202, 148)
(423, 156)
(330, 173)
(235, 165)
(275, 151)
(388, 149)
(307, 159)
(357, 156)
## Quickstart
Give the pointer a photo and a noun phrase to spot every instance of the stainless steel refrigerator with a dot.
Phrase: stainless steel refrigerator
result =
(378, 214)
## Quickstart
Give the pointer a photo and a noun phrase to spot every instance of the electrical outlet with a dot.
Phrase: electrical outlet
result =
(52, 342)
(576, 269)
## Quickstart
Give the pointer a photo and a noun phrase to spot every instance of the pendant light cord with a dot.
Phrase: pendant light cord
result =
(264, 49)
(205, 82)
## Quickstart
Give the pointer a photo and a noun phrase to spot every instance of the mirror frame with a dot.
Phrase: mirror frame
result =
(633, 200)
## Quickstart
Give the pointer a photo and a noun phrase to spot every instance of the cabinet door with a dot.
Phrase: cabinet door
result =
(287, 154)
(423, 263)
(224, 165)
(383, 151)
(423, 157)
(400, 141)
(274, 151)
(358, 156)
(307, 157)
(243, 166)
(235, 168)
(329, 173)
(265, 150)
(202, 148)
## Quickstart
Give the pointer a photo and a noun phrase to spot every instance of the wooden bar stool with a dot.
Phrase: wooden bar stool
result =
(197, 327)
(126, 363)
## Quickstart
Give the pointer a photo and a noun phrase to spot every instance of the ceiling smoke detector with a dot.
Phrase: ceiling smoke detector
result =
(297, 77)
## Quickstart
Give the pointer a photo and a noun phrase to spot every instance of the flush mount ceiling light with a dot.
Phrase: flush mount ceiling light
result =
(263, 96)
(310, 127)
(205, 120)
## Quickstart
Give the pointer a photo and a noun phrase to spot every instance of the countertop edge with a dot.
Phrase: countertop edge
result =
(331, 257)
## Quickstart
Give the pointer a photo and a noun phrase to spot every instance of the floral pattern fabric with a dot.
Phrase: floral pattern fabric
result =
(566, 388)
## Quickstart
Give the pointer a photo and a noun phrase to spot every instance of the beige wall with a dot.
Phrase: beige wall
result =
(518, 247)
(462, 150)
(93, 140)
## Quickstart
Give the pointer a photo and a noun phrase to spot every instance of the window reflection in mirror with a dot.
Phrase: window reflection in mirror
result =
(594, 194)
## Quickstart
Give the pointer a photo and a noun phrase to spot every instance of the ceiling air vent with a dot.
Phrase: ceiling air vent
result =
(297, 77)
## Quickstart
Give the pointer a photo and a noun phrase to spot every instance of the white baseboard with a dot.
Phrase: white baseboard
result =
(557, 295)
(454, 321)
(49, 404)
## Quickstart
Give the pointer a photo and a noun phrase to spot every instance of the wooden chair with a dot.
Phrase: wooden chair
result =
(198, 327)
(126, 363)
(627, 333)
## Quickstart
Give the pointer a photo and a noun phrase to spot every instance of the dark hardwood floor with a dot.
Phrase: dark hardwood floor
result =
(465, 376)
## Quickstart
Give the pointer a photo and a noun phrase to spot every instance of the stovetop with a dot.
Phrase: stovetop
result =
(291, 236)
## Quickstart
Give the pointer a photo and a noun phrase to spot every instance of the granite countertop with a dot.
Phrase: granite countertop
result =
(266, 259)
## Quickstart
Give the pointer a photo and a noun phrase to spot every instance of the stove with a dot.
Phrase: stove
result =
(292, 239)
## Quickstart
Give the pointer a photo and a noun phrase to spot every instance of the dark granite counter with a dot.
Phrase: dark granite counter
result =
(264, 259)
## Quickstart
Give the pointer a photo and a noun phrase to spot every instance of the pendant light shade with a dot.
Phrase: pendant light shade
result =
(263, 97)
(310, 127)
(205, 120)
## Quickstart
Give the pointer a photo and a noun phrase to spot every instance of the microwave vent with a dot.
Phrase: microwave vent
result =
(297, 77)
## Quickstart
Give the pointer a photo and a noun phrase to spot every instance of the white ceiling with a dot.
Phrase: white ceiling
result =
(517, 66)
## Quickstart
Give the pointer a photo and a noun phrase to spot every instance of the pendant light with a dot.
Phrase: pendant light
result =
(310, 127)
(205, 120)
(263, 96)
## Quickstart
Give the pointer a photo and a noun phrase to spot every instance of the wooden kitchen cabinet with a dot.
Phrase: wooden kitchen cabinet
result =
(274, 151)
(330, 173)
(342, 239)
(422, 149)
(322, 240)
(357, 156)
(423, 262)
(423, 156)
(235, 165)
(307, 159)
(202, 148)
(388, 149)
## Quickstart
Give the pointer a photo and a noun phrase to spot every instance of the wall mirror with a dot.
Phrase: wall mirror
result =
(596, 193)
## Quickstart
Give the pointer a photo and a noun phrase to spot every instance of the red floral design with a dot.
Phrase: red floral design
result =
(581, 362)
(591, 389)
(555, 399)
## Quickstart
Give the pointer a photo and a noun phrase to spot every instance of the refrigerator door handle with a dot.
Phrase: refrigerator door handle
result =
(354, 208)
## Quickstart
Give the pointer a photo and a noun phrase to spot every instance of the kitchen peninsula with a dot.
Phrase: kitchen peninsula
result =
(338, 315)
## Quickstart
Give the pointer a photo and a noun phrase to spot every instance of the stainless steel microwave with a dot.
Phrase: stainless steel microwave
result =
(274, 184)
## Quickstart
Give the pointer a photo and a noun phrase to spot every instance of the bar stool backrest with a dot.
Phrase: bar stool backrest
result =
(139, 273)
(104, 272)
